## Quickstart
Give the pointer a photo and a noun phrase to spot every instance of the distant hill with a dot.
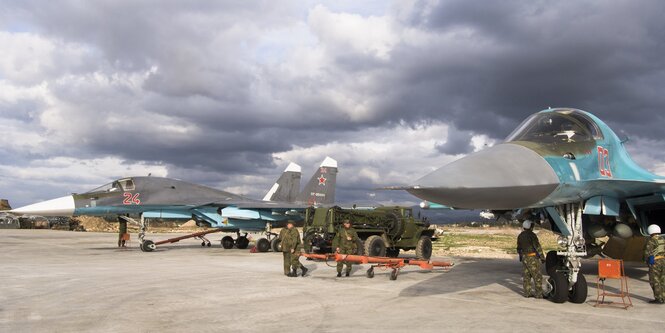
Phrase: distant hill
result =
(448, 216)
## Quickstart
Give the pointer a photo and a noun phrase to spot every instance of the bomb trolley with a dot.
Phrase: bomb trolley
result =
(395, 264)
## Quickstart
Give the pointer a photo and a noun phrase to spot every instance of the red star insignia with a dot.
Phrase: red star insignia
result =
(322, 180)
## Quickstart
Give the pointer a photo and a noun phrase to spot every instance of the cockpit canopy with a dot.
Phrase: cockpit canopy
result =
(125, 184)
(565, 126)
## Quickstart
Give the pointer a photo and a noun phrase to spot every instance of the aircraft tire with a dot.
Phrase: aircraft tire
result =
(276, 245)
(559, 283)
(263, 245)
(393, 253)
(370, 272)
(552, 262)
(579, 291)
(375, 246)
(147, 246)
(424, 248)
(227, 242)
(242, 242)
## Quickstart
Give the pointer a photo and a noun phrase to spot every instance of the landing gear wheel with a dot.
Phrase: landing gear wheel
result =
(579, 291)
(227, 242)
(424, 248)
(393, 253)
(393, 275)
(552, 262)
(370, 272)
(208, 244)
(375, 246)
(559, 283)
(148, 246)
(263, 245)
(360, 250)
(276, 245)
(203, 244)
(242, 242)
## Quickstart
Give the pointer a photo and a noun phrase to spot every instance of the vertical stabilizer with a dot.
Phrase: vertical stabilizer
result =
(287, 186)
(321, 187)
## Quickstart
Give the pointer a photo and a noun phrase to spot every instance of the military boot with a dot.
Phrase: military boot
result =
(348, 273)
(294, 273)
(304, 270)
(339, 274)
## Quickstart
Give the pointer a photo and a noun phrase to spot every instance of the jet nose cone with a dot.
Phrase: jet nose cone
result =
(506, 176)
(63, 206)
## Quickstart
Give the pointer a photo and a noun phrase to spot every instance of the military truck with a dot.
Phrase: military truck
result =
(383, 231)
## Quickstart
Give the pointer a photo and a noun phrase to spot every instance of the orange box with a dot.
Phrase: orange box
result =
(609, 268)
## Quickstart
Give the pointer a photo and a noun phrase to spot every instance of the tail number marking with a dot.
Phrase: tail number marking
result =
(604, 162)
(131, 199)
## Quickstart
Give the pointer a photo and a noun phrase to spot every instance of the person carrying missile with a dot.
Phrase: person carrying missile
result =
(345, 242)
(654, 255)
(290, 241)
(531, 256)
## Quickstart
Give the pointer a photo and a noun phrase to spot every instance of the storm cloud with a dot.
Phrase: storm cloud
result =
(227, 93)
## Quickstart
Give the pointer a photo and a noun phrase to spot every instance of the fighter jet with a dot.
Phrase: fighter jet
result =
(569, 171)
(140, 197)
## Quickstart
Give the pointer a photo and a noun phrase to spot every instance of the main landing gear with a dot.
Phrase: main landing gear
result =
(565, 281)
(241, 241)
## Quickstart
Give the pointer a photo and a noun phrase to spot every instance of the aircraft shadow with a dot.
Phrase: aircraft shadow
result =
(472, 273)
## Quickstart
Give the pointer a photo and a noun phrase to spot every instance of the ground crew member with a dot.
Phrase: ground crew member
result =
(654, 254)
(531, 256)
(122, 230)
(345, 242)
(290, 241)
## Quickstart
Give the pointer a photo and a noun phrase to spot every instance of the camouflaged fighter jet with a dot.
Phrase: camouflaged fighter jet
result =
(568, 170)
(158, 197)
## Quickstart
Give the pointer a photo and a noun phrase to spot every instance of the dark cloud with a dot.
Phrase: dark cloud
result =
(457, 142)
(211, 90)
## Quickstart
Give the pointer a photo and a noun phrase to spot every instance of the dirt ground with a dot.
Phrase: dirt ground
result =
(486, 241)
(476, 242)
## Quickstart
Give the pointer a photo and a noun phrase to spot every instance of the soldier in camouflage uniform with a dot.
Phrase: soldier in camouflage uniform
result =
(291, 243)
(345, 242)
(531, 256)
(654, 255)
(122, 230)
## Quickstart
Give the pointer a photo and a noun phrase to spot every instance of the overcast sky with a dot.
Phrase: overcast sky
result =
(226, 93)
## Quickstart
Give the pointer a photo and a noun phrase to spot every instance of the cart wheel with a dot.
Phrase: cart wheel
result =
(370, 272)
(393, 274)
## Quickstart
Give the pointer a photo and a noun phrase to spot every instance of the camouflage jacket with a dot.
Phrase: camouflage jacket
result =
(290, 239)
(342, 240)
(527, 242)
(655, 246)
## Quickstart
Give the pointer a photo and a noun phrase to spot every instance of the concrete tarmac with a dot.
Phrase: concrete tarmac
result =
(58, 281)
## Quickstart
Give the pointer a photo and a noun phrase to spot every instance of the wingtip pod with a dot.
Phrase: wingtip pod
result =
(329, 162)
(292, 167)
